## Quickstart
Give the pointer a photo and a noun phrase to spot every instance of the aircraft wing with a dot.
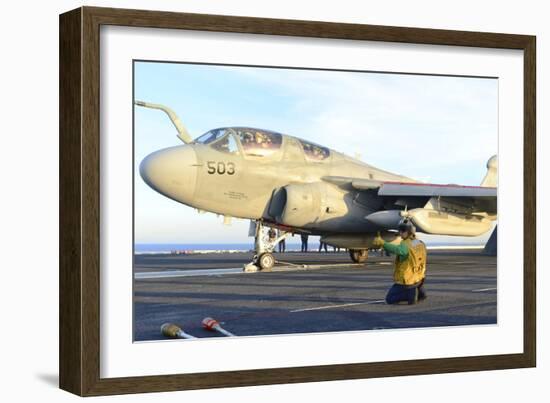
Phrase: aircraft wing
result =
(434, 190)
(483, 198)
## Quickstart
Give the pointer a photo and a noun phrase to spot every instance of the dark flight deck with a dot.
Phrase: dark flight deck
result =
(305, 293)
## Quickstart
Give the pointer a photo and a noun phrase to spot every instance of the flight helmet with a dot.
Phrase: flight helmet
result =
(406, 225)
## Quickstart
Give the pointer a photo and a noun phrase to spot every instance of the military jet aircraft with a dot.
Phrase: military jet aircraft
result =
(297, 186)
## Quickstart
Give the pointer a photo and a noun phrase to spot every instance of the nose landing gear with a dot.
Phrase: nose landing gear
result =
(266, 261)
(264, 246)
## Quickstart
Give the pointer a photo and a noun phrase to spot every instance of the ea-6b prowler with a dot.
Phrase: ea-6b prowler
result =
(297, 186)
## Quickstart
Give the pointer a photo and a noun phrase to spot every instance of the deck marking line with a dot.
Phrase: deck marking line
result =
(186, 273)
(378, 301)
(485, 289)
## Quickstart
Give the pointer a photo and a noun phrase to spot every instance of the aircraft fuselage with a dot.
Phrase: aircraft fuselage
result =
(241, 172)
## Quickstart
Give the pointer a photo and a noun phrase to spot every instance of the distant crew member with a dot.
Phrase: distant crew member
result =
(282, 243)
(410, 265)
(321, 245)
(304, 242)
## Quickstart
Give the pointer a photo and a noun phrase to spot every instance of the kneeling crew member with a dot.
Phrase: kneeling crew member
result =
(410, 265)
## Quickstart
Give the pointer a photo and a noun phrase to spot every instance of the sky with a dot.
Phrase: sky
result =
(436, 129)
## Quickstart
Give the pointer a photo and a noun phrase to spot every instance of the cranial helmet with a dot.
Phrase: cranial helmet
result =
(406, 225)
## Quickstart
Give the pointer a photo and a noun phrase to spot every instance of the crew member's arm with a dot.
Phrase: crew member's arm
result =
(401, 250)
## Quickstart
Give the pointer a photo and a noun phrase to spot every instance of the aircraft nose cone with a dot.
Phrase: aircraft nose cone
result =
(172, 172)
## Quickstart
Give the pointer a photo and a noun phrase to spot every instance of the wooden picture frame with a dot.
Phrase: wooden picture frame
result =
(79, 200)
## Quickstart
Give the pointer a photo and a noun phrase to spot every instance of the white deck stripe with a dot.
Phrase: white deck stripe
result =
(454, 247)
(186, 273)
(484, 289)
(363, 303)
(379, 301)
(232, 270)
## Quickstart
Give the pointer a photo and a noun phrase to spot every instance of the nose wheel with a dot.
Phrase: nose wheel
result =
(266, 261)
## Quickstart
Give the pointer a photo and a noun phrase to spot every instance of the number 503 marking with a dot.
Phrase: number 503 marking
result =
(220, 167)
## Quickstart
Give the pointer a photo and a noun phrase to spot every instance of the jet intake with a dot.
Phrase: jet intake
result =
(297, 205)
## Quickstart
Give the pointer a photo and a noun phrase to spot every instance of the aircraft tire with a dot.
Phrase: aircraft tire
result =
(359, 255)
(266, 262)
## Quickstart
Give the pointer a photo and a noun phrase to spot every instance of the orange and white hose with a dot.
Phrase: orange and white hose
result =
(214, 325)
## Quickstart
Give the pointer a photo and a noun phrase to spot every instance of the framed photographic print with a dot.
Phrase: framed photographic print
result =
(249, 201)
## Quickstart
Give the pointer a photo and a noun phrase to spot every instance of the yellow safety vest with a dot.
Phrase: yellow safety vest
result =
(413, 268)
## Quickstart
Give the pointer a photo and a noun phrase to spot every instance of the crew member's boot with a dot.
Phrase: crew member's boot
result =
(422, 292)
(413, 296)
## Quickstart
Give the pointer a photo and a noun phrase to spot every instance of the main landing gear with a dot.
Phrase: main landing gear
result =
(359, 255)
(264, 247)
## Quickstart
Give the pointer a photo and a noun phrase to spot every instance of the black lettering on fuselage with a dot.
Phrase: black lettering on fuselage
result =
(220, 167)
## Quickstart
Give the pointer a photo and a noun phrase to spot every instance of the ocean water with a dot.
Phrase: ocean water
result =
(168, 247)
(313, 245)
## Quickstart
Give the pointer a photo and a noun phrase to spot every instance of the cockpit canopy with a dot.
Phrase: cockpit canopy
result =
(259, 143)
(314, 152)
(256, 143)
(211, 136)
(220, 139)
